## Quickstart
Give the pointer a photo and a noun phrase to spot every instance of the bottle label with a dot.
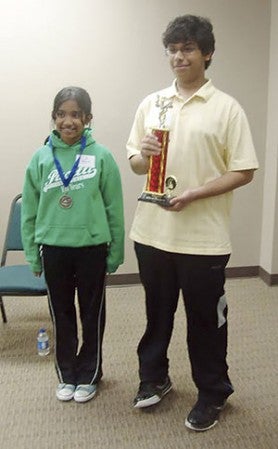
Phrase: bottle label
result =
(43, 345)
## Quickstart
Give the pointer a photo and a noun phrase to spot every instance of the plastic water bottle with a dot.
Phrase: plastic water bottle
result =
(43, 342)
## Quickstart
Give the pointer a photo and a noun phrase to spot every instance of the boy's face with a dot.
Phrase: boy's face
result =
(70, 121)
(187, 61)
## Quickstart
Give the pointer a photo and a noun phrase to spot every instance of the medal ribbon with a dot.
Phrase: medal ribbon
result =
(66, 180)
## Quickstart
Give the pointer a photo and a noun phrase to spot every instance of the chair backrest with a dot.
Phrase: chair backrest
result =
(13, 241)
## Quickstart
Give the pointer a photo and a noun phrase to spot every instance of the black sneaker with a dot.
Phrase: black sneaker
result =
(203, 416)
(151, 393)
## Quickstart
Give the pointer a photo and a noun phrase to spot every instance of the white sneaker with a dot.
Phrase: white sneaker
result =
(84, 392)
(65, 392)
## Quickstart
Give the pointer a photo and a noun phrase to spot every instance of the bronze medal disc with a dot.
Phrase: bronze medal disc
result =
(65, 202)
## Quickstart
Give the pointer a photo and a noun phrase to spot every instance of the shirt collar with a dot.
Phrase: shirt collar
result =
(205, 91)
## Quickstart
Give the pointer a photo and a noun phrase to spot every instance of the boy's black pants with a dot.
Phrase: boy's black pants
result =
(81, 270)
(201, 280)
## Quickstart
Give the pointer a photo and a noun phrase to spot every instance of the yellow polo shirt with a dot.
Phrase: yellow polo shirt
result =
(209, 135)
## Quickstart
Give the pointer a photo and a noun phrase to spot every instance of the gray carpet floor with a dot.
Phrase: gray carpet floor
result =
(31, 416)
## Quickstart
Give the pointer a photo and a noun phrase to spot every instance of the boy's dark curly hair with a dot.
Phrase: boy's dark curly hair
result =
(189, 28)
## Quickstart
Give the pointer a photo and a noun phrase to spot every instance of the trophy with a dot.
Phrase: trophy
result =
(157, 190)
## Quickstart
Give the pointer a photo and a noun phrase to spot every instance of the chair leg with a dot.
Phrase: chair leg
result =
(4, 316)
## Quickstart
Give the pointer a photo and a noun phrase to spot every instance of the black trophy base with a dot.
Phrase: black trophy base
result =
(162, 199)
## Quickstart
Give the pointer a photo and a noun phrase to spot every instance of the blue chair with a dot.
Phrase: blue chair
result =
(17, 280)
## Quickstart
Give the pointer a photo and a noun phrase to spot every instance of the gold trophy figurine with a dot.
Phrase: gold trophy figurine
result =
(155, 187)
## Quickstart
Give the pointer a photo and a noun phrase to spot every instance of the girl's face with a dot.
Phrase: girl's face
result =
(70, 121)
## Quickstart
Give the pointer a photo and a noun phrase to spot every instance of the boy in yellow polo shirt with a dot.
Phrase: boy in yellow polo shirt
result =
(185, 246)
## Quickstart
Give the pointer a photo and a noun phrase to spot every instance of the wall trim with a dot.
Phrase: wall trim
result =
(242, 272)
(269, 279)
(123, 279)
(119, 280)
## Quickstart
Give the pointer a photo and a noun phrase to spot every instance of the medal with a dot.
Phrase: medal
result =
(171, 183)
(65, 202)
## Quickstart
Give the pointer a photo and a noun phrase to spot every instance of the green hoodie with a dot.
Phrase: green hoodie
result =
(96, 214)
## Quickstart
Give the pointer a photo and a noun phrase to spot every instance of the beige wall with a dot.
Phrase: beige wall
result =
(115, 52)
(269, 241)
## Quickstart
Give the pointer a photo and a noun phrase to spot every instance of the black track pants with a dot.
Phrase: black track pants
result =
(201, 280)
(67, 271)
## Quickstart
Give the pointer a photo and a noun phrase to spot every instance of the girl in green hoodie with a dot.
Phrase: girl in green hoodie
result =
(73, 227)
